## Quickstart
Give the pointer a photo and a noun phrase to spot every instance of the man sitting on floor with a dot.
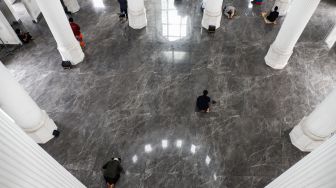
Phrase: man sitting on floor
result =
(271, 18)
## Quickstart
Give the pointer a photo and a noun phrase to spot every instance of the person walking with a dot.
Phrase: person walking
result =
(123, 9)
(112, 170)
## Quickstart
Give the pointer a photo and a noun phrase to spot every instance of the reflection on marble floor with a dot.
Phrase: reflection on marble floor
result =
(134, 95)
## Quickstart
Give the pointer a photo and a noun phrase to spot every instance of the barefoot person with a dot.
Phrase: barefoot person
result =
(112, 170)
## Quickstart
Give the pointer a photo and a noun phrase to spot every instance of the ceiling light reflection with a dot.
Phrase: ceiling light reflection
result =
(98, 3)
(215, 176)
(207, 160)
(135, 158)
(179, 143)
(148, 148)
(193, 149)
(164, 144)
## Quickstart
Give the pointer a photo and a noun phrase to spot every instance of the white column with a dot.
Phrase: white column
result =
(212, 13)
(283, 6)
(137, 14)
(58, 23)
(23, 163)
(16, 102)
(32, 9)
(316, 170)
(7, 34)
(290, 31)
(313, 130)
(72, 5)
(331, 39)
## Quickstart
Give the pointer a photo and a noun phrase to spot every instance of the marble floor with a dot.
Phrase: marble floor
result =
(134, 95)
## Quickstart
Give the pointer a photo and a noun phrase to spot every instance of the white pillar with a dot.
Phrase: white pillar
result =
(58, 23)
(32, 9)
(283, 6)
(137, 14)
(290, 31)
(316, 170)
(16, 102)
(212, 13)
(331, 39)
(23, 163)
(7, 34)
(72, 5)
(10, 6)
(313, 130)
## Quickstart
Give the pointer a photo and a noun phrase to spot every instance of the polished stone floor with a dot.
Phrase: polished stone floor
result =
(134, 95)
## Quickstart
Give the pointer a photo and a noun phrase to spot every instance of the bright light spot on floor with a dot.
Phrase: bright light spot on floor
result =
(135, 158)
(179, 143)
(148, 148)
(174, 26)
(207, 160)
(193, 149)
(215, 176)
(164, 144)
(98, 3)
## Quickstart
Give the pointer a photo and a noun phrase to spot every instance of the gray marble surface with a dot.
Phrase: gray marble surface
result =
(134, 95)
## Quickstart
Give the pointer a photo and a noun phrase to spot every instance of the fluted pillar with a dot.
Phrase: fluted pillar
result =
(313, 130)
(7, 34)
(32, 9)
(137, 14)
(72, 5)
(283, 6)
(212, 13)
(316, 170)
(58, 23)
(24, 164)
(331, 39)
(296, 20)
(16, 102)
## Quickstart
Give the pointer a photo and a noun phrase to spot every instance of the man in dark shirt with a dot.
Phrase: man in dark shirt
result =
(273, 15)
(203, 102)
(112, 170)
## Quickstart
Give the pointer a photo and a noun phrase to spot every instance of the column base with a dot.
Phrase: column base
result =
(44, 131)
(211, 18)
(283, 6)
(137, 19)
(73, 53)
(276, 58)
(72, 5)
(303, 140)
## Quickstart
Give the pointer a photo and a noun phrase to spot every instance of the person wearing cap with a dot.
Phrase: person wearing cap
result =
(112, 170)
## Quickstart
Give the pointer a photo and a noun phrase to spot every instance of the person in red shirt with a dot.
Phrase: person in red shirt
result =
(76, 30)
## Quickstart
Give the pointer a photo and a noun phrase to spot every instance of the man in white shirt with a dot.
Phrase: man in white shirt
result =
(229, 11)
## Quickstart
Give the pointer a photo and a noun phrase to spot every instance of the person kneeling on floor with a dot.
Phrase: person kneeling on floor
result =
(112, 170)
(272, 16)
(229, 11)
(76, 30)
(25, 37)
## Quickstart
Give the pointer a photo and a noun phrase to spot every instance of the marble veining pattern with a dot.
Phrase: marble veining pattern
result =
(134, 95)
